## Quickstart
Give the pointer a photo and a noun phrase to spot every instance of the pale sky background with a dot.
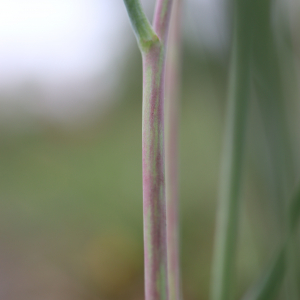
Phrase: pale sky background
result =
(61, 45)
(55, 39)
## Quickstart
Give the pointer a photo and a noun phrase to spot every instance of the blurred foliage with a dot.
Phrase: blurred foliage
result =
(74, 197)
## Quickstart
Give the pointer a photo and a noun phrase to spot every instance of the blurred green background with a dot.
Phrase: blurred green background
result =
(71, 196)
(74, 197)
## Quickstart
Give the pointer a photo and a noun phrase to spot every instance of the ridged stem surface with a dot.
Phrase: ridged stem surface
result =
(155, 239)
(172, 155)
(152, 43)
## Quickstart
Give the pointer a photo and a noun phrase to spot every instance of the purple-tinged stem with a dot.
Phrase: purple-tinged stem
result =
(161, 19)
(155, 240)
(172, 155)
(155, 235)
(152, 44)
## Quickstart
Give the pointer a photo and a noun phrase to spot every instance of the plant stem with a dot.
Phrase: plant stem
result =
(161, 19)
(154, 176)
(231, 173)
(172, 168)
(143, 31)
(152, 44)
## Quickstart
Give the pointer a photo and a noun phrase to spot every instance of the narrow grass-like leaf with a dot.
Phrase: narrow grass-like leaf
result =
(269, 91)
(228, 210)
(294, 211)
(268, 285)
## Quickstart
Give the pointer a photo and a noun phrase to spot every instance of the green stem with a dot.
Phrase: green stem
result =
(228, 211)
(144, 33)
(153, 46)
(155, 243)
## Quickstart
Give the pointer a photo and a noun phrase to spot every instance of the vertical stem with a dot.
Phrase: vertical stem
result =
(161, 19)
(228, 211)
(152, 44)
(155, 243)
(155, 239)
(172, 172)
